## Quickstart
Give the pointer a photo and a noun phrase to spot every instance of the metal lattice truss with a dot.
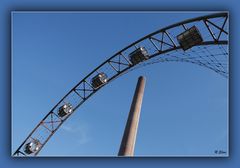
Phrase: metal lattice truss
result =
(162, 46)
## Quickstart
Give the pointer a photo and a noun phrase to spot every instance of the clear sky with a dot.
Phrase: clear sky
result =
(185, 106)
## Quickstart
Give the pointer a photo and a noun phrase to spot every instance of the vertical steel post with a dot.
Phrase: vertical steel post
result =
(130, 132)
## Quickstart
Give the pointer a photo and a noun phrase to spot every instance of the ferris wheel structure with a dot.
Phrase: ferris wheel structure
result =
(202, 41)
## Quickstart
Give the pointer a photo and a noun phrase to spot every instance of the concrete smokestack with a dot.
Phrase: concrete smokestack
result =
(130, 132)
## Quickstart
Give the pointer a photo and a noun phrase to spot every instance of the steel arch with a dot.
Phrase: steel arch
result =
(119, 64)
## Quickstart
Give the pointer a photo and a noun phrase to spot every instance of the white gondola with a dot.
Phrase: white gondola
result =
(189, 38)
(138, 55)
(32, 147)
(65, 110)
(99, 80)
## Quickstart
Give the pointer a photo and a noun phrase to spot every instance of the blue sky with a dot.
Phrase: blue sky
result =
(184, 110)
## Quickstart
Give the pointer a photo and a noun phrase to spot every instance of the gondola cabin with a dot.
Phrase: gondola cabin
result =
(138, 55)
(191, 37)
(32, 147)
(99, 80)
(65, 110)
